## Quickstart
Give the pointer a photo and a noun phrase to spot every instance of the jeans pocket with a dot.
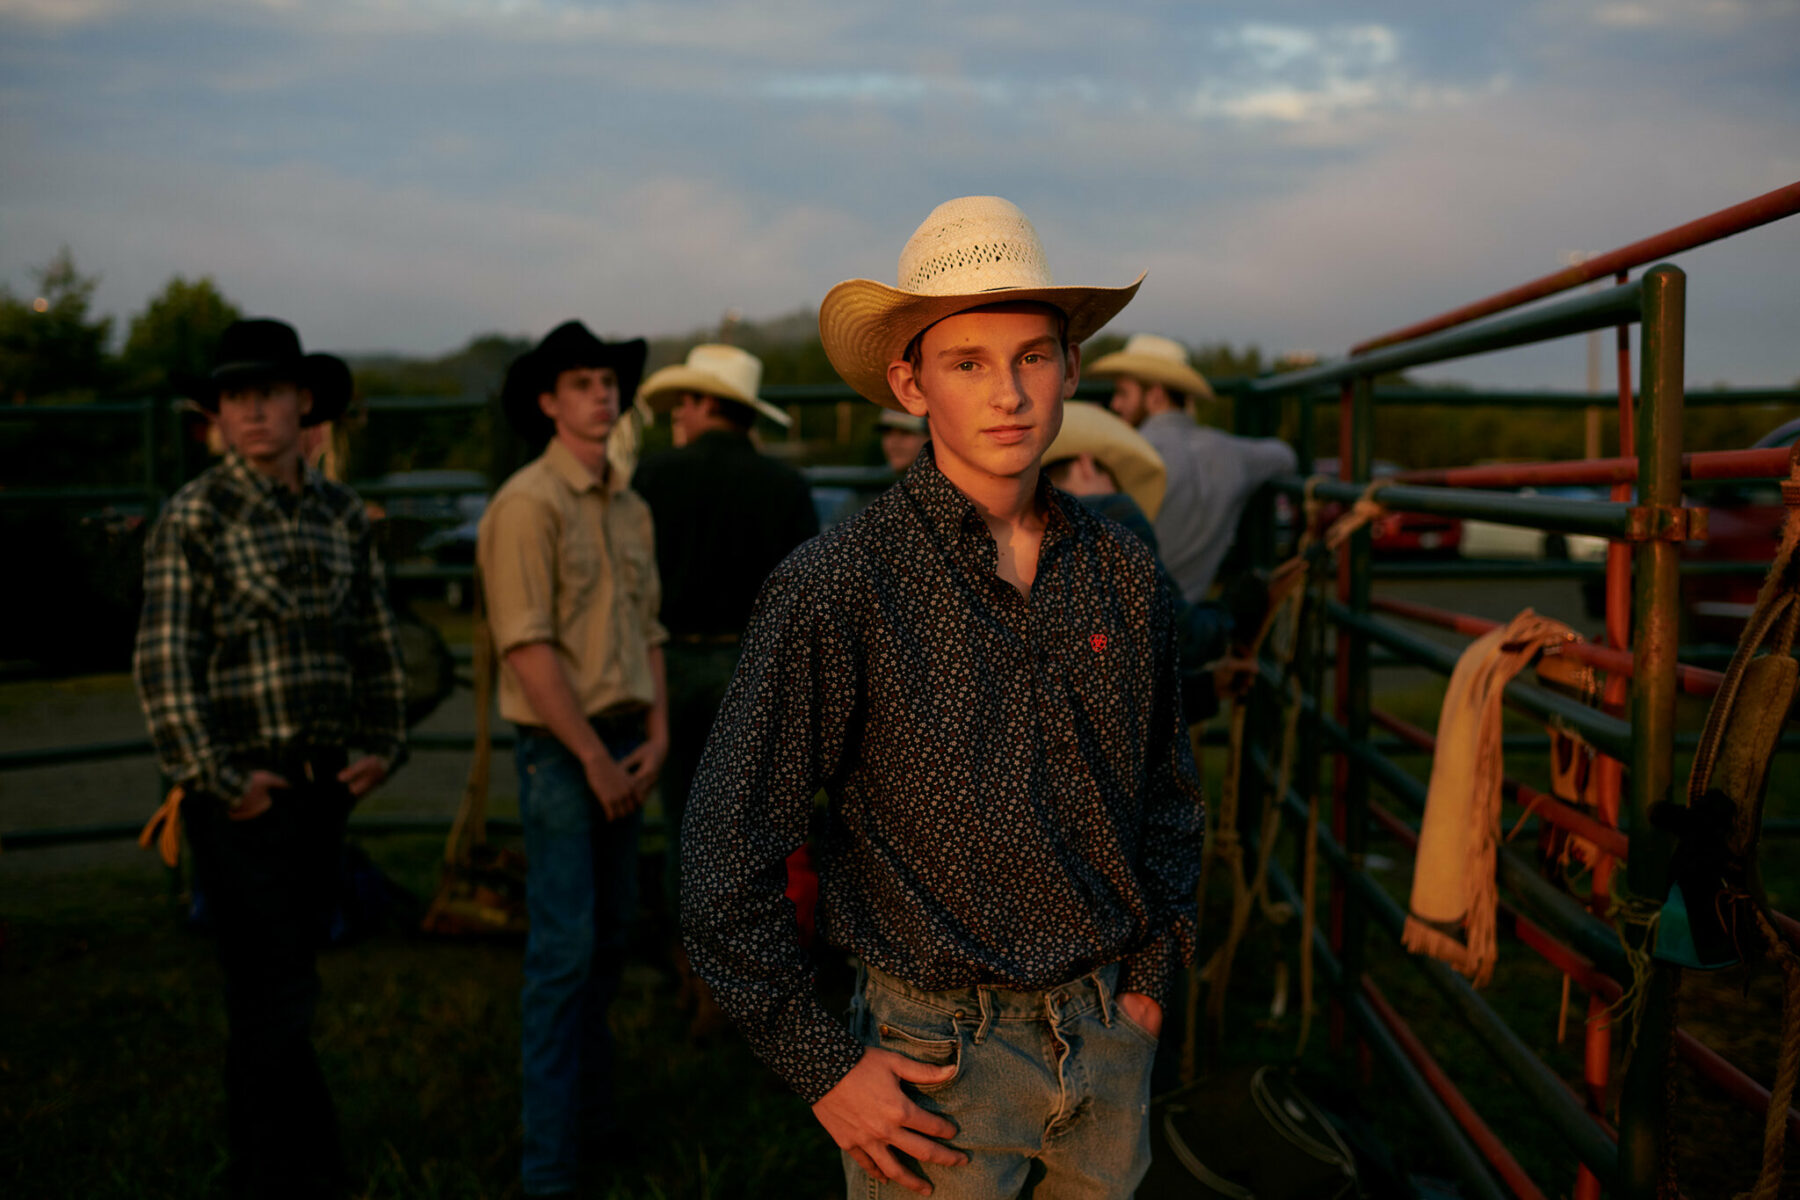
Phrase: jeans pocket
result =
(930, 1052)
(1132, 1026)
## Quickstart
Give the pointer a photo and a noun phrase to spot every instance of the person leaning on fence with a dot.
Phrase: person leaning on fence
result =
(1107, 465)
(568, 568)
(1212, 474)
(981, 675)
(269, 674)
(725, 516)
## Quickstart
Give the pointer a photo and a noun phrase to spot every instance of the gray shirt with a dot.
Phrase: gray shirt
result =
(1212, 475)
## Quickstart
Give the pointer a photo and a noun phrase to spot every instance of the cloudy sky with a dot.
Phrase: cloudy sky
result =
(401, 174)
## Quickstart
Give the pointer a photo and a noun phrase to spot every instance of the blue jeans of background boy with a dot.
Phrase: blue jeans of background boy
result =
(271, 883)
(581, 894)
(1051, 1096)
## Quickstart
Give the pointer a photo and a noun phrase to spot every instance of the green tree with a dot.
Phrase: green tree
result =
(49, 349)
(174, 339)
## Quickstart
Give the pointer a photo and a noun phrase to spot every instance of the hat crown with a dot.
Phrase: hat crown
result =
(258, 340)
(973, 244)
(1152, 345)
(729, 364)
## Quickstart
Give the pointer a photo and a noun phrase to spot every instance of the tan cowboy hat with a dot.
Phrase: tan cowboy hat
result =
(970, 252)
(712, 369)
(1115, 445)
(904, 421)
(1154, 359)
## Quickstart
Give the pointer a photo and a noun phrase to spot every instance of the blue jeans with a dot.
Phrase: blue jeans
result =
(1051, 1096)
(581, 892)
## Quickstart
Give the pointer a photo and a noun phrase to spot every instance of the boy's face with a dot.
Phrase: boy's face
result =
(1129, 400)
(261, 421)
(992, 381)
(584, 404)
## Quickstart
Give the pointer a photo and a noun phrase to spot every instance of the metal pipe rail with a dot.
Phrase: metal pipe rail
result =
(1573, 1123)
(1760, 210)
(1602, 310)
(1607, 733)
(1601, 518)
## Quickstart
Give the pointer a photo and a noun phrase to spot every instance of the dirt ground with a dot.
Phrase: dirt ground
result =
(103, 708)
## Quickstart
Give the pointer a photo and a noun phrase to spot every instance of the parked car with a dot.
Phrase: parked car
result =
(1744, 521)
(1490, 539)
(429, 518)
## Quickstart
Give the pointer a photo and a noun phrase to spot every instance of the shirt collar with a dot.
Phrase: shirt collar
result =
(255, 483)
(573, 472)
(1173, 416)
(952, 516)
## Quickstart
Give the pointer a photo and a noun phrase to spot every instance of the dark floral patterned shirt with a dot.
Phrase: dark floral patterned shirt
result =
(1012, 798)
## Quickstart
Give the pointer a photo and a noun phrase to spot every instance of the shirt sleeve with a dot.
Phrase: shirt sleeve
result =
(173, 644)
(379, 670)
(516, 548)
(1265, 458)
(780, 733)
(651, 609)
(1174, 828)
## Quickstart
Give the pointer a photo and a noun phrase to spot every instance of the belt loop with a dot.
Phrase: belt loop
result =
(986, 998)
(1105, 999)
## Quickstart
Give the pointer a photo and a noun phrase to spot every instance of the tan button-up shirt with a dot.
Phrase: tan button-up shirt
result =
(568, 560)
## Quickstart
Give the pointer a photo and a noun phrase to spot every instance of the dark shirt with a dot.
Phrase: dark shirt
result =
(725, 515)
(1203, 631)
(265, 630)
(1012, 798)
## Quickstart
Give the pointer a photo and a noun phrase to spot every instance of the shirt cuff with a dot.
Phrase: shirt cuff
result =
(225, 781)
(1150, 971)
(822, 1072)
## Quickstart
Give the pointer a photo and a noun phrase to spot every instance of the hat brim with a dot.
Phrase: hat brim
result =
(866, 325)
(664, 386)
(1115, 445)
(326, 376)
(532, 374)
(1178, 376)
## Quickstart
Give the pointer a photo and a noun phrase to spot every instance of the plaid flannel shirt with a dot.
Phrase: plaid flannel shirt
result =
(266, 629)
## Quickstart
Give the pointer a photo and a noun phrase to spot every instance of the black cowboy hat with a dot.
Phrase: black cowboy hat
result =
(264, 350)
(569, 345)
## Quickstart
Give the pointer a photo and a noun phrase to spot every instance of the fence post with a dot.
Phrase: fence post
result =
(1643, 1101)
(1350, 807)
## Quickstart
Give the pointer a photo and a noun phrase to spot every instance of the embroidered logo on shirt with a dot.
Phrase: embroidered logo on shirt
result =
(1098, 642)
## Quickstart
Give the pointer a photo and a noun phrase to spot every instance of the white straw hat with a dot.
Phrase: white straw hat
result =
(904, 421)
(1115, 445)
(1154, 359)
(970, 252)
(712, 369)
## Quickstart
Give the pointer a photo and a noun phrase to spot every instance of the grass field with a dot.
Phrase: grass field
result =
(111, 1037)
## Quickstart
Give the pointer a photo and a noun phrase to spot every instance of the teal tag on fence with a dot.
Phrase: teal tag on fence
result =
(1675, 942)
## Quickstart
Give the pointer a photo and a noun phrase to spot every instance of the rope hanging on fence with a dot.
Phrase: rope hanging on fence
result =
(1729, 780)
(1287, 614)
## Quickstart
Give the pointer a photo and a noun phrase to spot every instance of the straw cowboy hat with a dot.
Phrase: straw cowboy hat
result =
(1115, 445)
(970, 252)
(564, 348)
(1154, 359)
(713, 370)
(264, 350)
(904, 421)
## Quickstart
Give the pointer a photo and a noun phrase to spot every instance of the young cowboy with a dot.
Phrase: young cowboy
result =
(569, 571)
(1212, 474)
(265, 654)
(981, 675)
(725, 516)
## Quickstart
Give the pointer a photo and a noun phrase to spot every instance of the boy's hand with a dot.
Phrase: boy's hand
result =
(256, 795)
(363, 776)
(869, 1115)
